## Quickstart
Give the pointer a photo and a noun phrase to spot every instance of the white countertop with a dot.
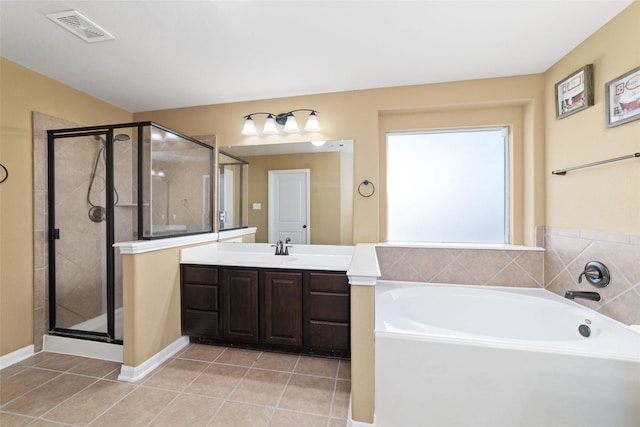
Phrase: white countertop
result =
(301, 257)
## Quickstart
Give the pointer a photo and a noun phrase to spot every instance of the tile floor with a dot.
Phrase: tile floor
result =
(202, 385)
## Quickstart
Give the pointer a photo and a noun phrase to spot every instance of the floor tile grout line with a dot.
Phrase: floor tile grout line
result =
(135, 387)
(333, 395)
(30, 390)
(284, 390)
(178, 394)
(181, 392)
(226, 399)
(67, 399)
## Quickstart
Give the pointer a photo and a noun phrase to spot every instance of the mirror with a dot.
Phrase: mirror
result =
(330, 168)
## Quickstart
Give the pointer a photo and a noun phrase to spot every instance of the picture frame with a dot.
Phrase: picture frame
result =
(575, 92)
(622, 96)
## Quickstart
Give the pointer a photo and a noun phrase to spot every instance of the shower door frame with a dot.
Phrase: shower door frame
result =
(108, 132)
(54, 234)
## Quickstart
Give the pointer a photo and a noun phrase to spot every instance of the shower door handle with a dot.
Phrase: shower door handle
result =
(56, 234)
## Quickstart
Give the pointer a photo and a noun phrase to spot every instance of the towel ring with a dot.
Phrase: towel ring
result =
(6, 173)
(366, 182)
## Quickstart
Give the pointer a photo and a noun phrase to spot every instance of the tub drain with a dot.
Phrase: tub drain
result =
(584, 330)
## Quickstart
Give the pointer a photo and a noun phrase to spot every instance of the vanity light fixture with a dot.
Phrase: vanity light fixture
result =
(288, 120)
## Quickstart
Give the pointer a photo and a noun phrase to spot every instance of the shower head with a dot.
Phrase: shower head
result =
(118, 137)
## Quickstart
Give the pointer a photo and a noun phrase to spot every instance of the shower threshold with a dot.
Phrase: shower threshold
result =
(84, 348)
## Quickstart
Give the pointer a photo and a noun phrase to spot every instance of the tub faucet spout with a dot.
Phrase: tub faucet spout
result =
(593, 296)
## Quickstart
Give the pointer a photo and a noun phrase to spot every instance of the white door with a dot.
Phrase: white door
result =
(289, 205)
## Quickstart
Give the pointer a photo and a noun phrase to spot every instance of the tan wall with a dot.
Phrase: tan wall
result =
(24, 91)
(604, 198)
(355, 115)
(324, 186)
(151, 303)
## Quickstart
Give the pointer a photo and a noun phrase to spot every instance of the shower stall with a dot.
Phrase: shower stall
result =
(110, 184)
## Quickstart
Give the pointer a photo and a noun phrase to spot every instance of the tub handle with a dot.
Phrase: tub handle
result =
(596, 274)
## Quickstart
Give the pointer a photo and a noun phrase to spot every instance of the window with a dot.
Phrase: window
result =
(448, 186)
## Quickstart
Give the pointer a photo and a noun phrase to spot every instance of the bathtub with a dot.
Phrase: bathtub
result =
(455, 355)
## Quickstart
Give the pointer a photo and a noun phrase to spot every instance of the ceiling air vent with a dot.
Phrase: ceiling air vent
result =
(80, 25)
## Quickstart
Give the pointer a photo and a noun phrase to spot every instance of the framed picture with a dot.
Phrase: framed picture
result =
(623, 98)
(575, 92)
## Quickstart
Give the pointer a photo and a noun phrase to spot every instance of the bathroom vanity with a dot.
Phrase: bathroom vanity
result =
(244, 294)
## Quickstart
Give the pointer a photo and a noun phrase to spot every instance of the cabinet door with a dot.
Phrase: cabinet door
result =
(240, 305)
(281, 308)
(327, 313)
(199, 295)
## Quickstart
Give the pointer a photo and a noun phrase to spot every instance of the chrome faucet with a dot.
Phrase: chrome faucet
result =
(279, 248)
(593, 296)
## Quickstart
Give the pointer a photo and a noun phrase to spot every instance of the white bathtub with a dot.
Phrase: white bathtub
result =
(454, 355)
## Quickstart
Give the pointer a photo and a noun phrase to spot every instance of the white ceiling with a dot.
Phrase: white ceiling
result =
(169, 54)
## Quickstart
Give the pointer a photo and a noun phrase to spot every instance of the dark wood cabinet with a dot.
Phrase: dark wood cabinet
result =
(200, 301)
(240, 305)
(294, 310)
(327, 308)
(281, 308)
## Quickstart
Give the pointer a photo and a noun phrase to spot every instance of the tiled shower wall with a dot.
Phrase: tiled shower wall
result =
(556, 269)
(41, 123)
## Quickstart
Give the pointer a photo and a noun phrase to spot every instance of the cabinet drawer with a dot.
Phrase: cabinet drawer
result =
(202, 297)
(200, 323)
(201, 275)
(334, 308)
(332, 283)
(328, 336)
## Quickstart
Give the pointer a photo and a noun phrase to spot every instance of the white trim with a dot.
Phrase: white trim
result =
(84, 348)
(135, 373)
(352, 423)
(141, 246)
(364, 269)
(16, 356)
(363, 280)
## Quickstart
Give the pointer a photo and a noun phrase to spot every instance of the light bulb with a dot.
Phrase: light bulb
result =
(312, 123)
(291, 125)
(249, 127)
(270, 126)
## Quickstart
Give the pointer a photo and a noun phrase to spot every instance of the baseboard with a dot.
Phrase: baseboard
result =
(135, 373)
(84, 348)
(353, 423)
(16, 356)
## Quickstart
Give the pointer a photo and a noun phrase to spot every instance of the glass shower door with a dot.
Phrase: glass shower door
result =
(79, 260)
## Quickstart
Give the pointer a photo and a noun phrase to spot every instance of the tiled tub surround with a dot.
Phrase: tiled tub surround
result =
(201, 386)
(512, 266)
(556, 268)
(567, 252)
